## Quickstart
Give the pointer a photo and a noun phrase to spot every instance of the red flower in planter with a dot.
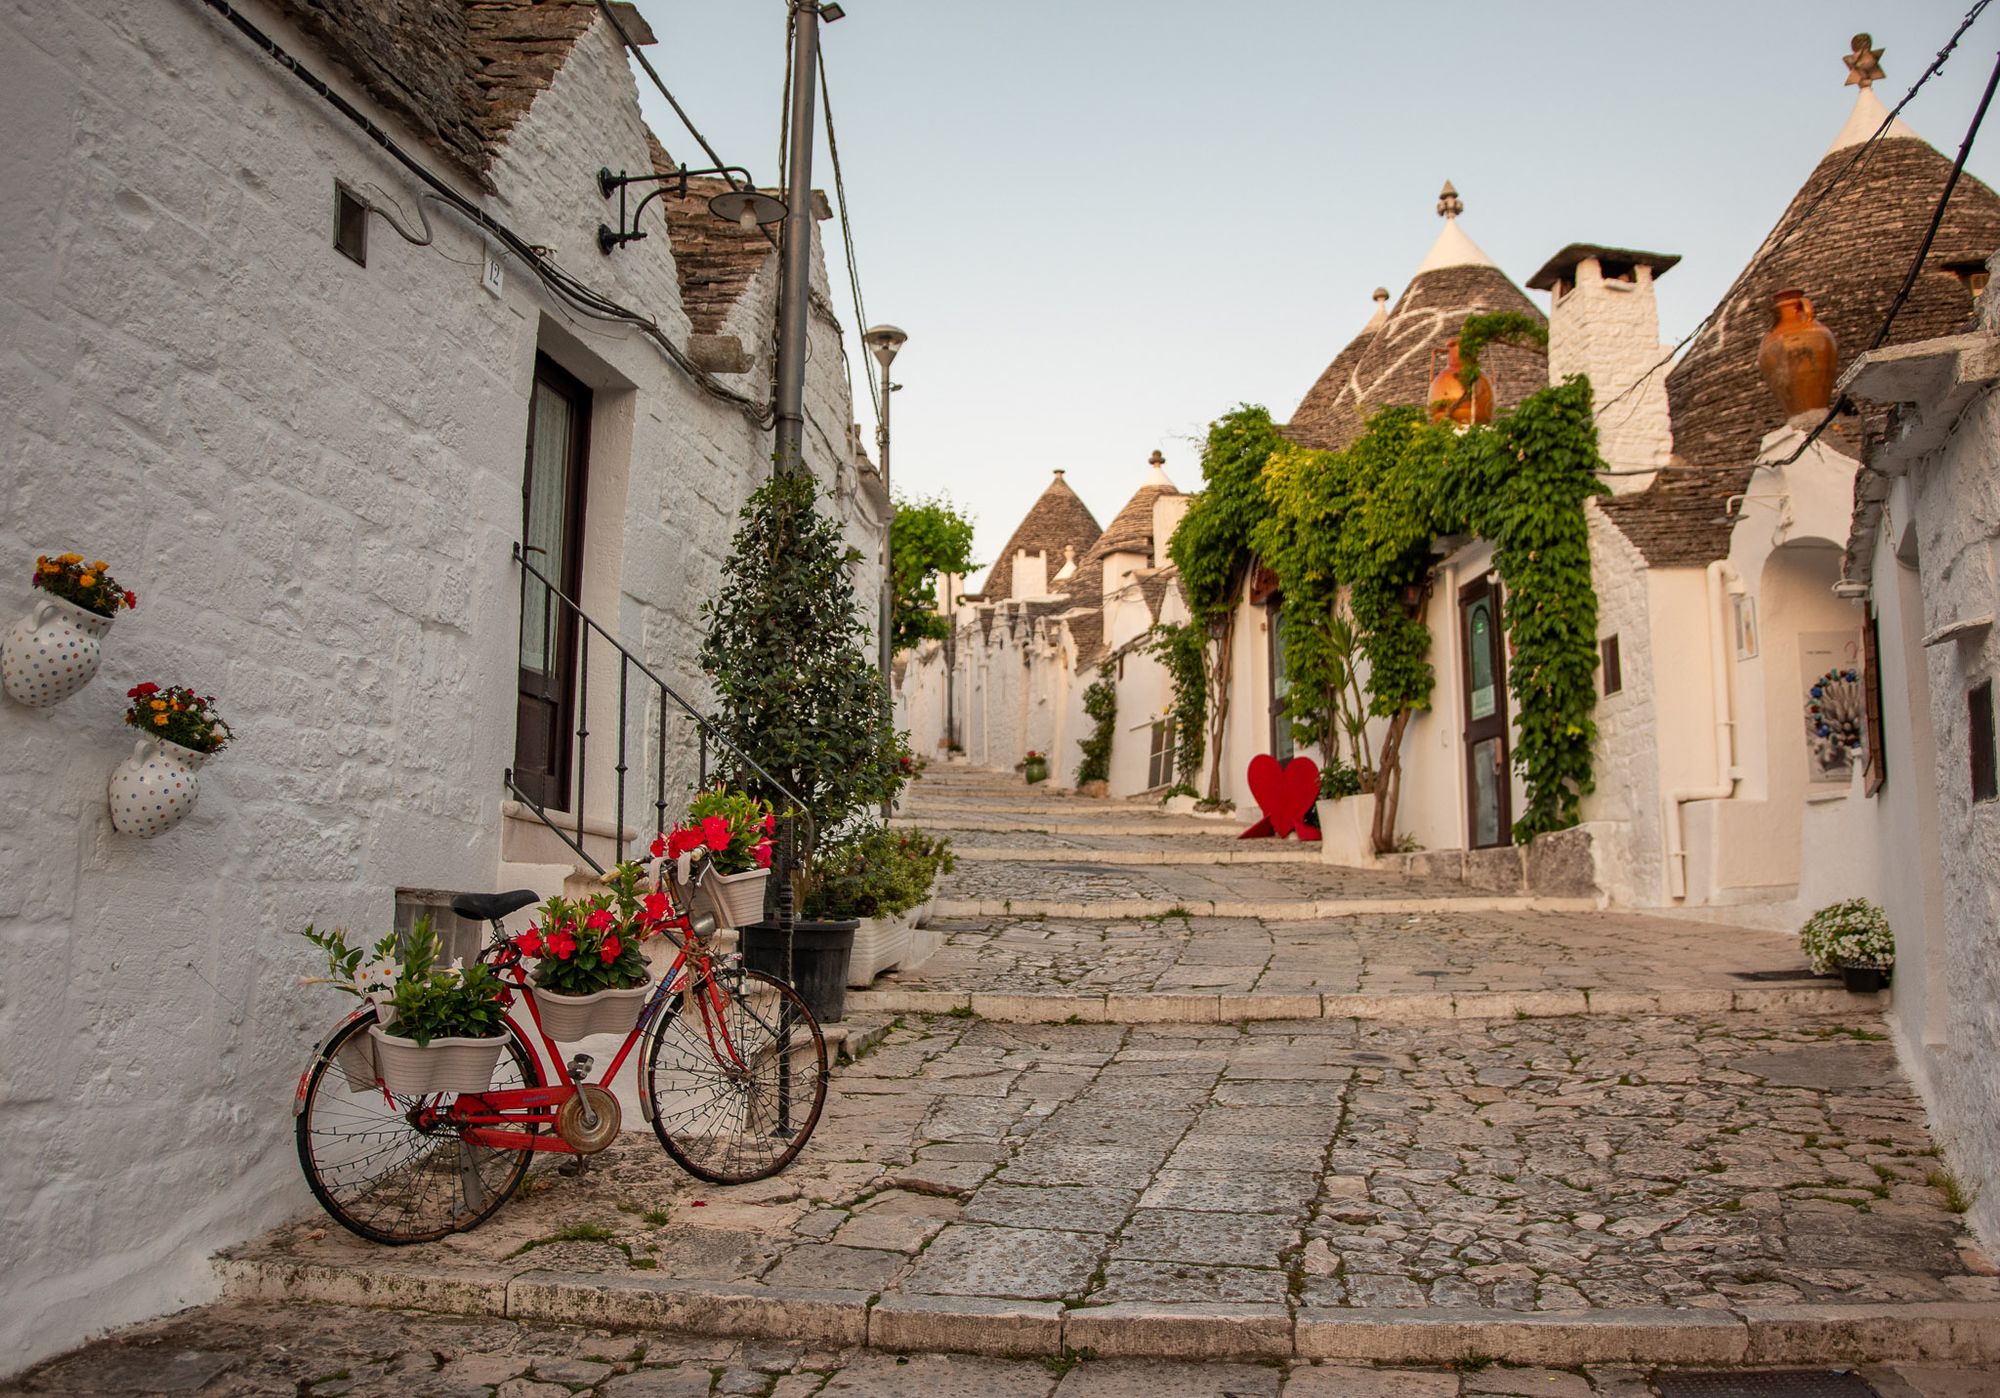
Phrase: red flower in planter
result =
(657, 907)
(763, 853)
(609, 952)
(529, 943)
(600, 920)
(770, 825)
(141, 691)
(659, 845)
(715, 833)
(561, 944)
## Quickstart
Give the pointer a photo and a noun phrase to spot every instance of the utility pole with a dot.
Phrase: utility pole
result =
(795, 287)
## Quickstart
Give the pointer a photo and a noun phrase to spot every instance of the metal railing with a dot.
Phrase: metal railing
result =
(558, 609)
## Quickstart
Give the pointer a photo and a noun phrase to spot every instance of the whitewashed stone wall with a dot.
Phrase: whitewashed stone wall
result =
(1610, 330)
(1623, 813)
(310, 471)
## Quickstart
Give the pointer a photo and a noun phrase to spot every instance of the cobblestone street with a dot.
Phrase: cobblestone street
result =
(1629, 1170)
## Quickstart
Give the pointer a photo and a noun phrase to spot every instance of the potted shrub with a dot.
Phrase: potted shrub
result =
(1346, 826)
(1854, 937)
(798, 690)
(590, 972)
(153, 790)
(437, 1028)
(733, 832)
(882, 878)
(1035, 767)
(55, 649)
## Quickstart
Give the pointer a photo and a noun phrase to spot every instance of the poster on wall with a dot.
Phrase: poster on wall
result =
(1836, 719)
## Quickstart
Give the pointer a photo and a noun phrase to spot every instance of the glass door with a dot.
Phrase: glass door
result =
(1282, 746)
(1488, 790)
(551, 537)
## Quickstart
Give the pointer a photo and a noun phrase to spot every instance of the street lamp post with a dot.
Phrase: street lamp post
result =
(883, 341)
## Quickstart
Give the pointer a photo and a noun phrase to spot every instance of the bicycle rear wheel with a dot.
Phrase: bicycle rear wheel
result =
(380, 1166)
(736, 1091)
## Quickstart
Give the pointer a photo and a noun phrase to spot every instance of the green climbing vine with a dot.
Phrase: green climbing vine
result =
(1100, 705)
(1350, 536)
(1211, 548)
(1181, 648)
(1496, 327)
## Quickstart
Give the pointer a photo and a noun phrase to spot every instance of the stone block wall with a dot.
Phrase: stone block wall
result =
(310, 471)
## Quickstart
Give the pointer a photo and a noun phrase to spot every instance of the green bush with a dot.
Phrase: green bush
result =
(877, 872)
(1100, 705)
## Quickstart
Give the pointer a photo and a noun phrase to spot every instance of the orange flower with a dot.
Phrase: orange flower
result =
(87, 580)
(160, 720)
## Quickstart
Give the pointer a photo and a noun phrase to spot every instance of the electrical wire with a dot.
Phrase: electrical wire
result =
(1779, 241)
(878, 391)
(559, 283)
(1916, 265)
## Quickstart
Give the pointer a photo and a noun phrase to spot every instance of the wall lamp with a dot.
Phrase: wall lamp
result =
(747, 207)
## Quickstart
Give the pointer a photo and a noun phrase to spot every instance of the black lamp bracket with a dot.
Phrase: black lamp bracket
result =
(628, 230)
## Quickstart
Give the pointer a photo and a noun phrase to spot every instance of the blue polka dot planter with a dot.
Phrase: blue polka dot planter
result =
(153, 790)
(52, 652)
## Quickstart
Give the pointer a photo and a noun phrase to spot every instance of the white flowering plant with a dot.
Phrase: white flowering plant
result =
(1853, 933)
(415, 998)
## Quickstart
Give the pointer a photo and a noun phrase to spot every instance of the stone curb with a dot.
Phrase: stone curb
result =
(1168, 1007)
(1959, 1332)
(1059, 827)
(1287, 910)
(1149, 858)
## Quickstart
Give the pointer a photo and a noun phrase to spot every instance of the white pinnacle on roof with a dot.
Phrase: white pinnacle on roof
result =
(1452, 248)
(1158, 474)
(1868, 114)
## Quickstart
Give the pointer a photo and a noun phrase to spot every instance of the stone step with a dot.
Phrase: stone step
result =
(1963, 1332)
(1076, 808)
(1248, 854)
(1276, 910)
(1103, 825)
(1187, 1007)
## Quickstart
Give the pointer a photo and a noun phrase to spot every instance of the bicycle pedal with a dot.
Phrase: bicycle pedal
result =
(580, 1065)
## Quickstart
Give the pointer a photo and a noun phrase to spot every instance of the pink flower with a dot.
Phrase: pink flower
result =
(610, 951)
(715, 833)
(659, 845)
(763, 852)
(600, 920)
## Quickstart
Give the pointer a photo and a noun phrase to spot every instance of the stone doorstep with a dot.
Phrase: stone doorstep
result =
(1167, 1007)
(1276, 910)
(1146, 857)
(1959, 1332)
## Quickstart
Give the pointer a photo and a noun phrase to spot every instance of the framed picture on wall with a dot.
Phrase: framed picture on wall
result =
(1746, 626)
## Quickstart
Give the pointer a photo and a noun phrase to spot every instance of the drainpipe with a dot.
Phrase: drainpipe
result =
(1719, 574)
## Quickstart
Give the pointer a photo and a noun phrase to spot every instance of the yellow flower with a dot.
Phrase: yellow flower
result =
(87, 580)
(99, 566)
(160, 719)
(69, 558)
(48, 567)
(159, 704)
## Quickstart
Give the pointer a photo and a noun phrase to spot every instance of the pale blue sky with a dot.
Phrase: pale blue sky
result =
(1104, 222)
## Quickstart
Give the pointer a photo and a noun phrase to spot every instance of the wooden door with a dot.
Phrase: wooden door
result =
(1488, 785)
(552, 538)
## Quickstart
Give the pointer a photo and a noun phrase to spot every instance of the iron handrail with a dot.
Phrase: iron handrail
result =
(705, 727)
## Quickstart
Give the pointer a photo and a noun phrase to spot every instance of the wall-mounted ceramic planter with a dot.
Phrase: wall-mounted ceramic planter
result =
(52, 652)
(154, 788)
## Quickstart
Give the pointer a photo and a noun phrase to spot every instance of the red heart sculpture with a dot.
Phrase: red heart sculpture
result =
(1284, 792)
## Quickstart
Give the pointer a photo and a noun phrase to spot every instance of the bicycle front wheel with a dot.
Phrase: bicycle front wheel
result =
(388, 1167)
(736, 1087)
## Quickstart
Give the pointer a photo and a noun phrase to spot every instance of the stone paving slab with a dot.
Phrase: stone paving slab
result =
(1229, 854)
(236, 1350)
(1091, 882)
(1332, 1189)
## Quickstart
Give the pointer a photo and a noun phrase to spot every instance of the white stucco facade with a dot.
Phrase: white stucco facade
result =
(311, 472)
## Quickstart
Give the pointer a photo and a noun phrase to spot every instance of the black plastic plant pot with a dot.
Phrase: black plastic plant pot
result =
(820, 954)
(1864, 980)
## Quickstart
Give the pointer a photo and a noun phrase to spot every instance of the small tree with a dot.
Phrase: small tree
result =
(926, 538)
(787, 650)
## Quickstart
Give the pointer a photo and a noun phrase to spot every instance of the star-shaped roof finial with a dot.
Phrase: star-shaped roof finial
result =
(1449, 204)
(1864, 65)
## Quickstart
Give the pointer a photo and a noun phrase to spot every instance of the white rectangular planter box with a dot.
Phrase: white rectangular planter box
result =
(570, 1017)
(1346, 831)
(443, 1065)
(879, 943)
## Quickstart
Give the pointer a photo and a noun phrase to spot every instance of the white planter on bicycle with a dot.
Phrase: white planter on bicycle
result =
(410, 1069)
(737, 900)
(566, 1018)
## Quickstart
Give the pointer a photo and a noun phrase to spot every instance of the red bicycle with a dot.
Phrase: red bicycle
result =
(732, 1079)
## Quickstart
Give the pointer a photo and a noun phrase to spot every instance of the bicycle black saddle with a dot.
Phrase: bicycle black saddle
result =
(491, 907)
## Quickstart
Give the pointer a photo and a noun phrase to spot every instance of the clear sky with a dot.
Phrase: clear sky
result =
(1104, 222)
